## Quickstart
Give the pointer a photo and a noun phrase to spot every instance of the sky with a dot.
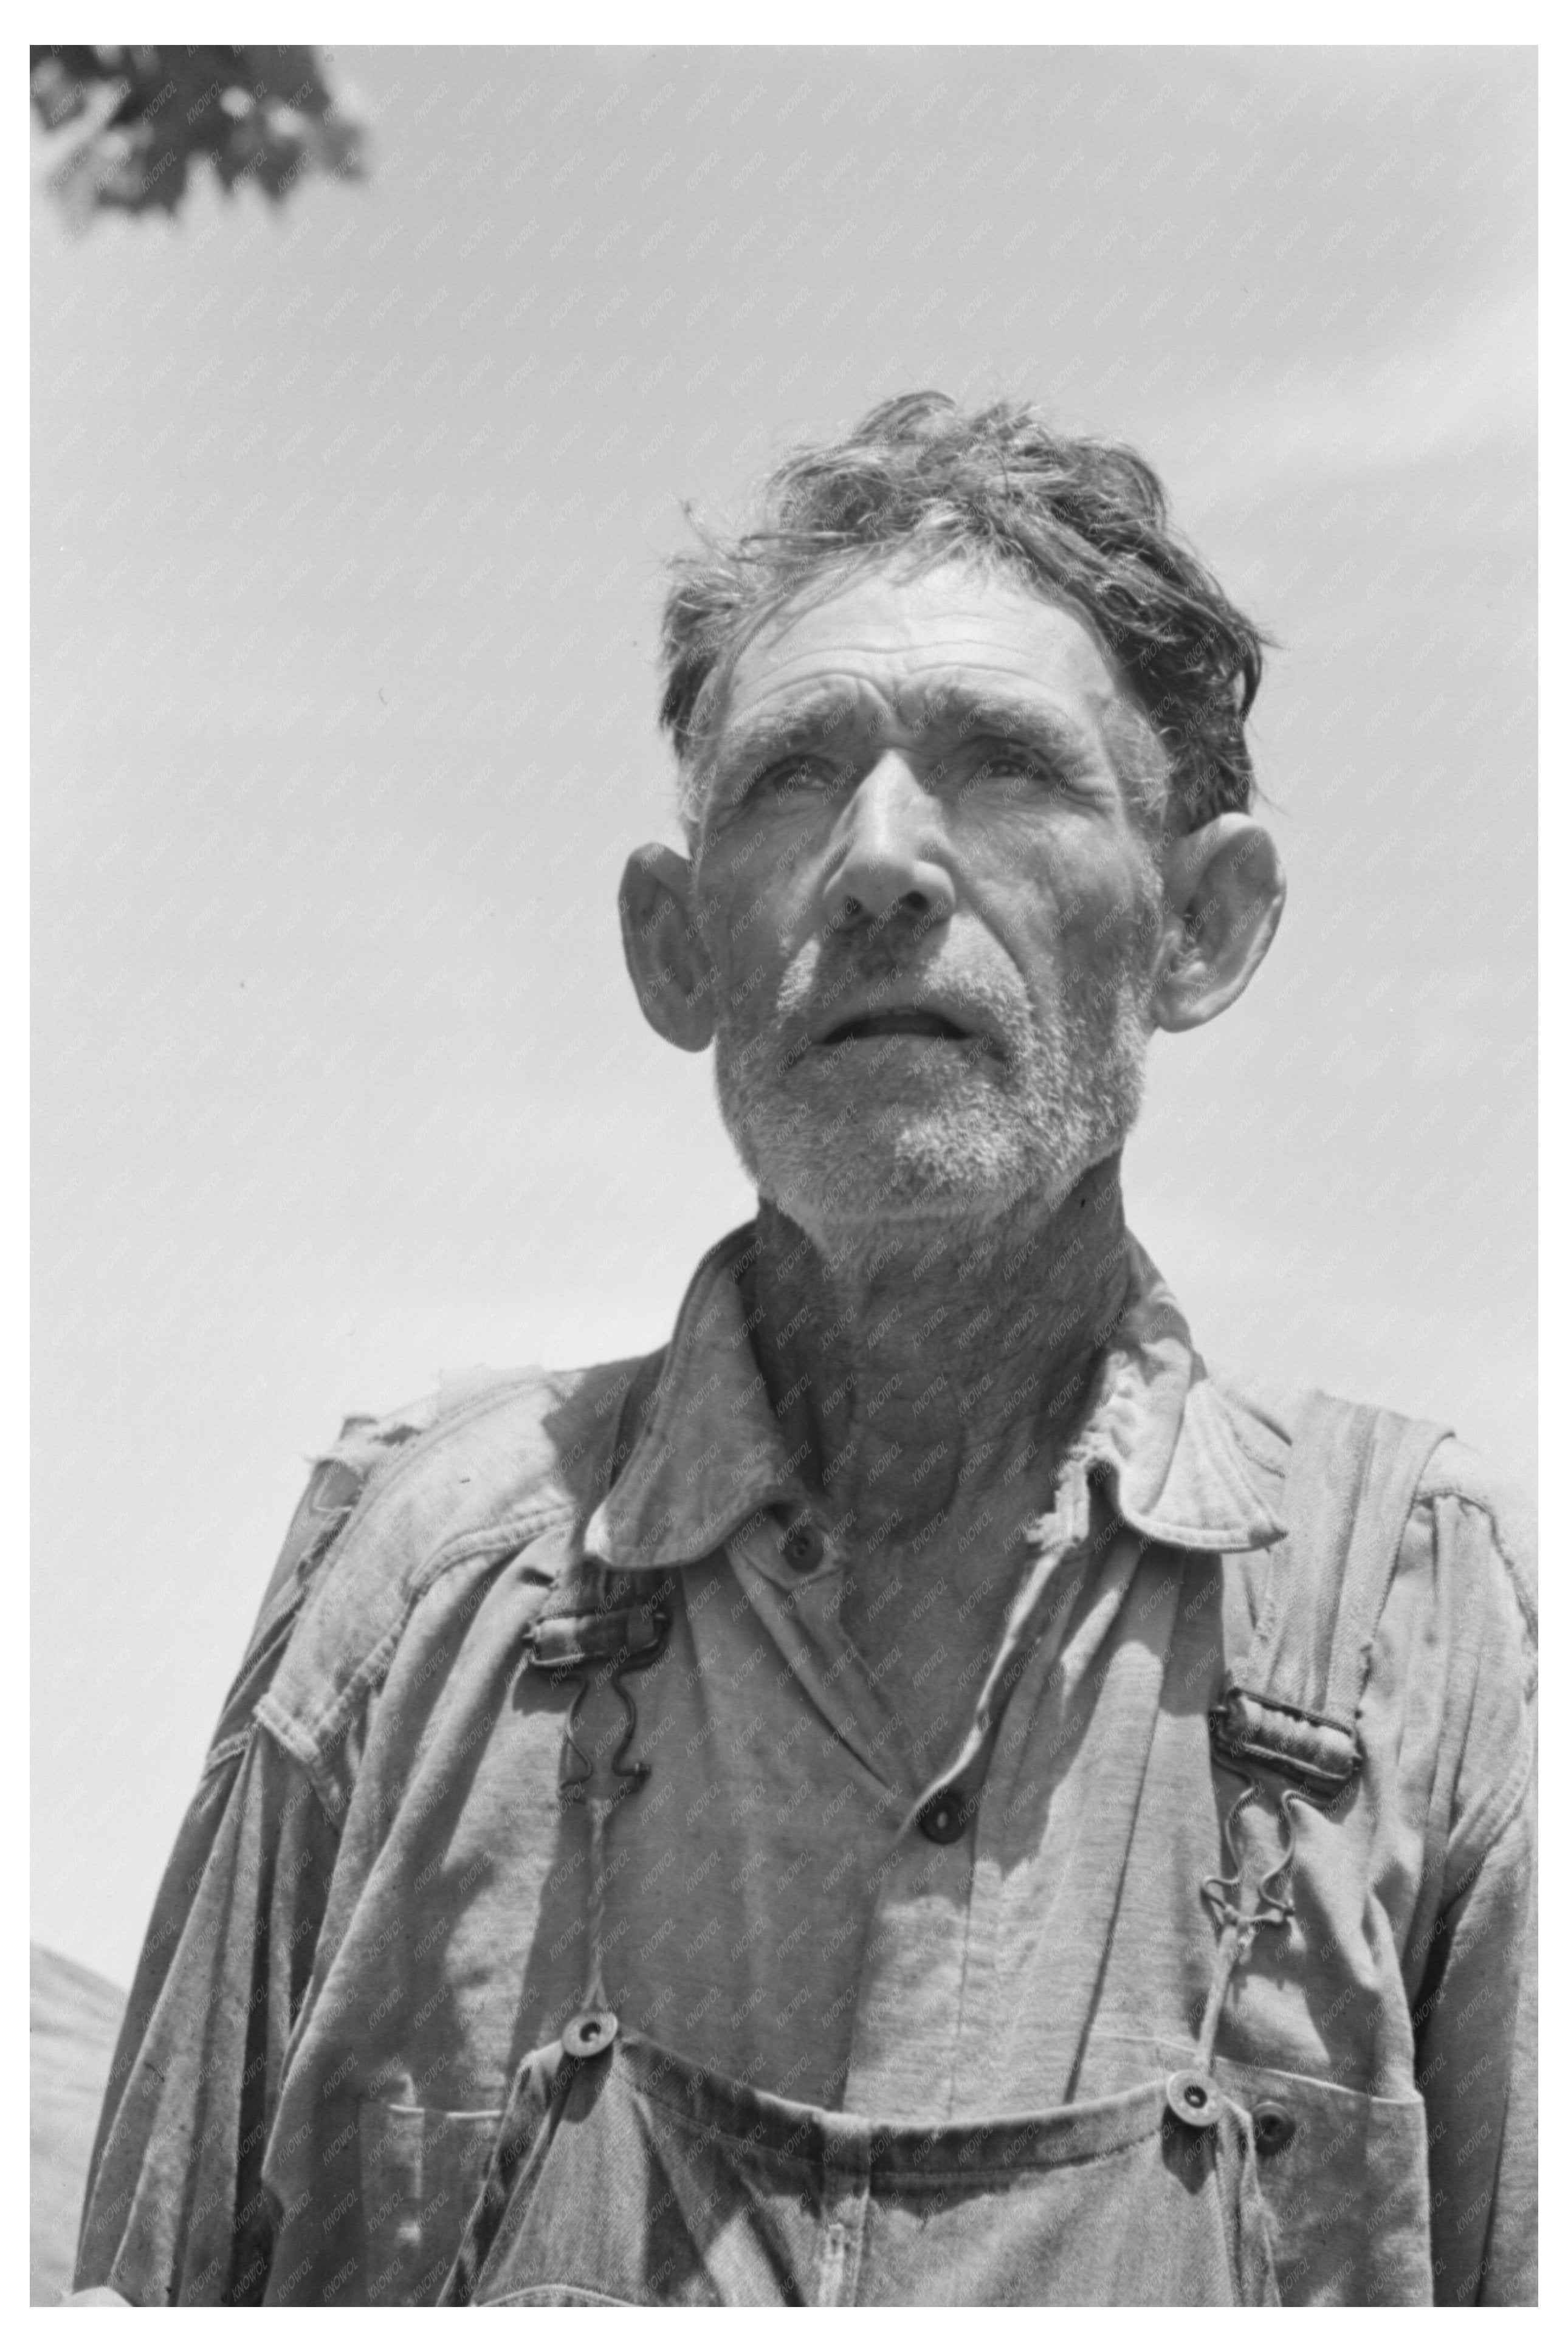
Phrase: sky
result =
(348, 529)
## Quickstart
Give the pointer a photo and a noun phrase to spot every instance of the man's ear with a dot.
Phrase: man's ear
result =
(671, 968)
(1225, 892)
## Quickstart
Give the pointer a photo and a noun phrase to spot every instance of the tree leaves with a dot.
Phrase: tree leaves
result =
(266, 114)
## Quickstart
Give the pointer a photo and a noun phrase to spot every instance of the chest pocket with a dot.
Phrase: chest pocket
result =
(1344, 2177)
(420, 2170)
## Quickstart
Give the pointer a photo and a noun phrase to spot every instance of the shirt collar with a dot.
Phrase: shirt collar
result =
(1157, 1428)
(711, 1455)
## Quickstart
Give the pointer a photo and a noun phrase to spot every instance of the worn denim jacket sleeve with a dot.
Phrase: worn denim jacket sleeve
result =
(1474, 2004)
(175, 2211)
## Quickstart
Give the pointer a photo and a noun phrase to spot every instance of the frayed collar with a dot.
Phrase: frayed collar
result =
(711, 1455)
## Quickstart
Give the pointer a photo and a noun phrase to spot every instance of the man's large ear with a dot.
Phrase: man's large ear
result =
(1225, 893)
(667, 956)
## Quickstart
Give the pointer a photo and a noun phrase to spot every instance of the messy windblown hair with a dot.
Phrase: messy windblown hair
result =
(1084, 521)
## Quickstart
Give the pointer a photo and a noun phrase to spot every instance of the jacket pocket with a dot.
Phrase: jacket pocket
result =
(420, 2170)
(1344, 2177)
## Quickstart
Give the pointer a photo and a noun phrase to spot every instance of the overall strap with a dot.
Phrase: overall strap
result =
(598, 1624)
(594, 1615)
(1293, 1704)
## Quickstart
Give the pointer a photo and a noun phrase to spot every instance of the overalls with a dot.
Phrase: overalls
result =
(626, 2173)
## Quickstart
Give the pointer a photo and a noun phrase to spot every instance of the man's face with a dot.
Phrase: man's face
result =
(932, 900)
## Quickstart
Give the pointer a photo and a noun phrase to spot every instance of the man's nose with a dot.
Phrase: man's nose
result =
(887, 861)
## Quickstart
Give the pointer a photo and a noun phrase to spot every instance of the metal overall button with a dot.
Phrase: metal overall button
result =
(1193, 2099)
(943, 1818)
(590, 2032)
(1273, 2126)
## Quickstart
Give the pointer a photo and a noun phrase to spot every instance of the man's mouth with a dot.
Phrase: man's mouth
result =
(911, 1023)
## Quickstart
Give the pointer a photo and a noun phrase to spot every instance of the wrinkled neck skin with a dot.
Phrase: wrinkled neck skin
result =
(930, 1377)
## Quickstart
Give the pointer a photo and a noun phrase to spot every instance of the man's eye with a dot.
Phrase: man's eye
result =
(1006, 763)
(801, 772)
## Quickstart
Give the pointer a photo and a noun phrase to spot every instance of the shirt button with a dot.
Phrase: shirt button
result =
(589, 2033)
(945, 1817)
(802, 1545)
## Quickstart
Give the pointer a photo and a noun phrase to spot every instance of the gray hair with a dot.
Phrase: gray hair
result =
(920, 480)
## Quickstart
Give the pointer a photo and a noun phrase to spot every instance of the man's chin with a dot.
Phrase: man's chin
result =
(932, 1171)
(916, 1142)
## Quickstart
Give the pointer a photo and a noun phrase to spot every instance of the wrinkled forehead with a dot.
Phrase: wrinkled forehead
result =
(901, 624)
(919, 646)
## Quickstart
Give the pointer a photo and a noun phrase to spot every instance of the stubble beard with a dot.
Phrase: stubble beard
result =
(862, 1139)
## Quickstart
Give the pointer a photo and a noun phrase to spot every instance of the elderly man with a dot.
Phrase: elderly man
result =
(919, 1792)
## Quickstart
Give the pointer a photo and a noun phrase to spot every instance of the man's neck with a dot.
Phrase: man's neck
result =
(931, 1379)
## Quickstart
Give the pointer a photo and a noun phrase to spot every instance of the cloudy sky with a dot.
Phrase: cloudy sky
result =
(347, 528)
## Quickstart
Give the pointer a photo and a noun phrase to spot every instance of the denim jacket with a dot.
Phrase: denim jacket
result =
(373, 1911)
